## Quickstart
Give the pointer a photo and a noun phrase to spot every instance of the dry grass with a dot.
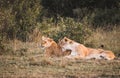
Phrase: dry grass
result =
(27, 61)
(110, 39)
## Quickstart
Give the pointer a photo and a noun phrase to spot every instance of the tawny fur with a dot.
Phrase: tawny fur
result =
(93, 54)
(81, 52)
(109, 55)
(52, 49)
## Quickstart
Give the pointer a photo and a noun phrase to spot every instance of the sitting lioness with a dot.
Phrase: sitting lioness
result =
(81, 52)
(52, 48)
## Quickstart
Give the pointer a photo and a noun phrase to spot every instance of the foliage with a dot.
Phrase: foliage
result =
(65, 27)
(106, 17)
(19, 17)
(56, 18)
(64, 7)
(94, 12)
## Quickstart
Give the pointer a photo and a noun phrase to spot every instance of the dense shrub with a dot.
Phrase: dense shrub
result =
(104, 17)
(64, 7)
(19, 17)
(65, 27)
(94, 12)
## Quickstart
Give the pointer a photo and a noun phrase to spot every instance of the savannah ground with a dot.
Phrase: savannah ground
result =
(26, 67)
(94, 23)
(26, 60)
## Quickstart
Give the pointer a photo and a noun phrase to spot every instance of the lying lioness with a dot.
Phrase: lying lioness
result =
(106, 54)
(52, 48)
(100, 54)
(79, 51)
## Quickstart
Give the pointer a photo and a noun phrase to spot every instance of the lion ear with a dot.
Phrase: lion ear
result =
(66, 39)
(43, 37)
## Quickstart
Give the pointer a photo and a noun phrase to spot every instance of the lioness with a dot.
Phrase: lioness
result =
(106, 54)
(52, 48)
(82, 52)
(77, 50)
(94, 53)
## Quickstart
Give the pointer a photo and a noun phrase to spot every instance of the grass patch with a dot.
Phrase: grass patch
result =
(109, 39)
(26, 59)
(33, 64)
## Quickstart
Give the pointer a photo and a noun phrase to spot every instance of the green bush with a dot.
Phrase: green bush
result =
(19, 18)
(64, 27)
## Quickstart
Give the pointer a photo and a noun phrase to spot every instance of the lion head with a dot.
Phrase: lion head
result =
(67, 44)
(46, 42)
